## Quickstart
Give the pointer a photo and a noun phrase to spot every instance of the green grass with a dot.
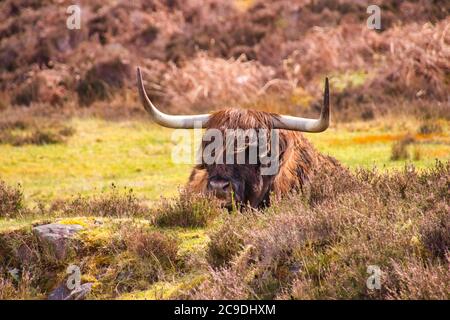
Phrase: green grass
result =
(128, 154)
(7, 225)
(368, 144)
(137, 155)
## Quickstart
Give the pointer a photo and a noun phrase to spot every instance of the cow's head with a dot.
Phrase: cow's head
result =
(248, 177)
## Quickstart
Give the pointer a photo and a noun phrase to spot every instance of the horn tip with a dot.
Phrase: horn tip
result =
(326, 103)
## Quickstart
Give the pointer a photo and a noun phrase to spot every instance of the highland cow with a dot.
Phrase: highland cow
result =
(244, 183)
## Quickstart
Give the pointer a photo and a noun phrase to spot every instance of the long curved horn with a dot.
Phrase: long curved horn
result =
(166, 120)
(305, 124)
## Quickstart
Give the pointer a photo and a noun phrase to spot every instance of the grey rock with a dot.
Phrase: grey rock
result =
(63, 293)
(60, 293)
(57, 235)
(80, 293)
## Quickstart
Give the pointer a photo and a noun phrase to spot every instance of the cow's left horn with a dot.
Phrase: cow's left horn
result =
(305, 124)
(166, 120)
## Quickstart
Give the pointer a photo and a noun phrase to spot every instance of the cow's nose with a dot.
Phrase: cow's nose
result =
(219, 185)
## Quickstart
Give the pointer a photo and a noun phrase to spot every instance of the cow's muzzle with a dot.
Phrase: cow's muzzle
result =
(224, 190)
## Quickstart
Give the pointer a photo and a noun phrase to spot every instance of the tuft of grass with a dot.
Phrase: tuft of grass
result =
(37, 137)
(189, 210)
(132, 258)
(429, 127)
(399, 149)
(11, 201)
(150, 244)
(111, 204)
(33, 131)
(417, 153)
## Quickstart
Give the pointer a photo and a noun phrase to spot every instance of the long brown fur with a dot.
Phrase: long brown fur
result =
(299, 161)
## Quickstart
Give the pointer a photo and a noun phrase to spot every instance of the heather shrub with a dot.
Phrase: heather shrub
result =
(20, 288)
(414, 280)
(225, 243)
(434, 232)
(223, 284)
(102, 80)
(416, 63)
(48, 86)
(325, 50)
(214, 54)
(329, 185)
(322, 249)
(194, 85)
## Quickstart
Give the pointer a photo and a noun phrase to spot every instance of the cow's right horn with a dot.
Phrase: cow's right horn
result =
(166, 120)
(305, 124)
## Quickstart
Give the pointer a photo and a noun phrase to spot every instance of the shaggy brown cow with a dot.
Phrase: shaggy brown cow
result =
(298, 161)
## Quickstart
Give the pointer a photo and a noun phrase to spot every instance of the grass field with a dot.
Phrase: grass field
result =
(137, 155)
(113, 247)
